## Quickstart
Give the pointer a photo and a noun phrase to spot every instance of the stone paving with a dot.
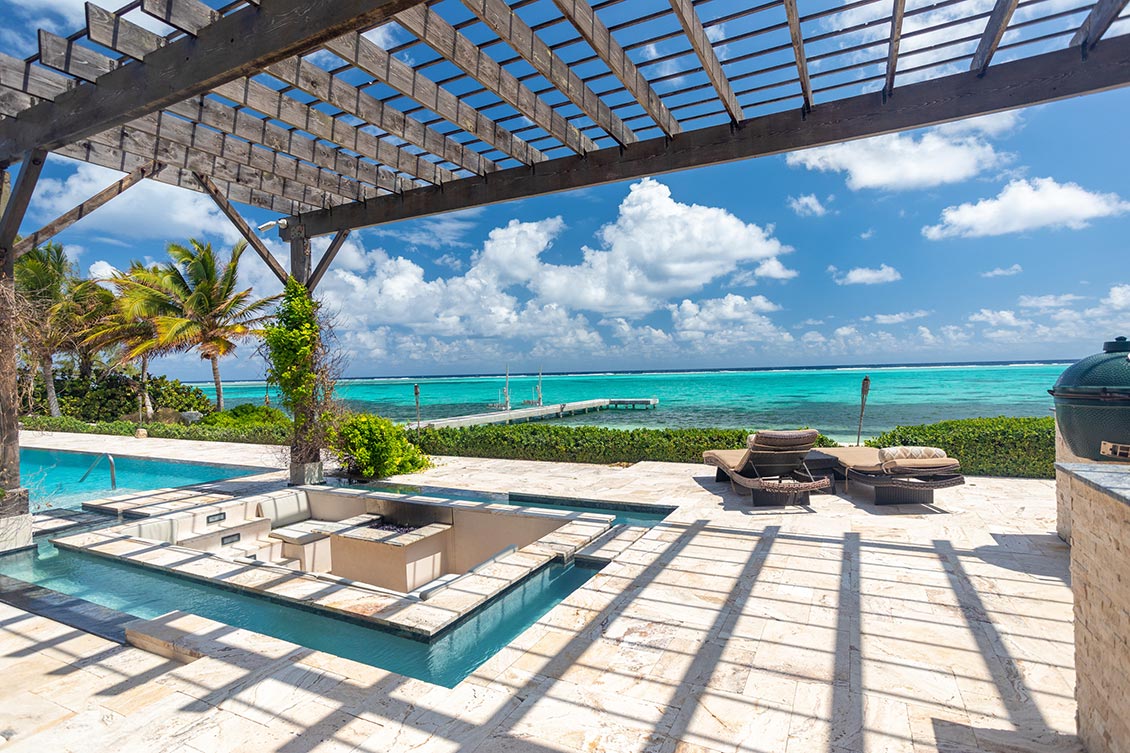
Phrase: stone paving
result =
(838, 627)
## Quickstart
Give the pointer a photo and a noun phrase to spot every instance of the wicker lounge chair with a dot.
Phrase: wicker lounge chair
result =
(899, 475)
(772, 468)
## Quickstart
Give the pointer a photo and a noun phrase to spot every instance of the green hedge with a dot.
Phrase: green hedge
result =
(373, 447)
(260, 434)
(580, 444)
(1006, 447)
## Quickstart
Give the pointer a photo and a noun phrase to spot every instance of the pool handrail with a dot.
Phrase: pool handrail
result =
(113, 469)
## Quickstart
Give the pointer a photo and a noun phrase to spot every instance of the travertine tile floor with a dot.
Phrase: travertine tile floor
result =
(840, 627)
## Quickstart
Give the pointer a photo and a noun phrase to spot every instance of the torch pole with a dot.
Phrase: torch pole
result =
(416, 389)
(862, 407)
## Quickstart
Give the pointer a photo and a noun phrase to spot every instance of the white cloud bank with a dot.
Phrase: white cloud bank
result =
(865, 275)
(1024, 205)
(1015, 269)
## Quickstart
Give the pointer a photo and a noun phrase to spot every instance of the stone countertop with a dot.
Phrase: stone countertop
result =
(1110, 478)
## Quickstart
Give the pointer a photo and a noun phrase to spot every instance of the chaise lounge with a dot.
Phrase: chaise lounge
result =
(898, 475)
(772, 467)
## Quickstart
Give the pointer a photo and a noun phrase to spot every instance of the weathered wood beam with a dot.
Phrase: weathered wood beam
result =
(442, 37)
(700, 43)
(242, 226)
(797, 36)
(360, 52)
(1035, 80)
(117, 33)
(510, 28)
(234, 46)
(65, 220)
(897, 11)
(316, 81)
(991, 37)
(20, 198)
(1102, 15)
(584, 19)
(327, 259)
(299, 259)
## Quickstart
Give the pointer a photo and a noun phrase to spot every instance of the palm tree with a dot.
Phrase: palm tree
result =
(85, 304)
(131, 330)
(43, 276)
(193, 303)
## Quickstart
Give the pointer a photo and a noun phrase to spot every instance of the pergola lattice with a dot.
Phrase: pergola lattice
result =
(341, 114)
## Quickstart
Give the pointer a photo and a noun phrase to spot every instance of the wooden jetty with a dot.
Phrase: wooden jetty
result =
(541, 412)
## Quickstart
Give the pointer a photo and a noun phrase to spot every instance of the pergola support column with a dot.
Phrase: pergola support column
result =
(305, 459)
(15, 520)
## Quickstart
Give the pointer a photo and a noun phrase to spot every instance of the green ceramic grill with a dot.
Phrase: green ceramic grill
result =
(1092, 403)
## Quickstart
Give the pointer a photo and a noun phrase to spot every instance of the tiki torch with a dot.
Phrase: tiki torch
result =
(862, 407)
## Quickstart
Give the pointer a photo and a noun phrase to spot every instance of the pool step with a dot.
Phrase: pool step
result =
(265, 550)
(610, 545)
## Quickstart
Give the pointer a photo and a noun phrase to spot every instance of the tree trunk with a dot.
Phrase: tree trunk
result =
(219, 384)
(47, 368)
(9, 345)
(85, 365)
(146, 402)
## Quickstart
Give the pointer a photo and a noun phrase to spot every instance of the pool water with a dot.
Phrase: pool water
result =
(53, 476)
(445, 661)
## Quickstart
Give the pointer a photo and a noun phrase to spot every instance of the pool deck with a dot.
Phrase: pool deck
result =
(841, 627)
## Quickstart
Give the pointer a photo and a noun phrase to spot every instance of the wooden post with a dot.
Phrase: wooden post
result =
(15, 522)
(305, 461)
(300, 258)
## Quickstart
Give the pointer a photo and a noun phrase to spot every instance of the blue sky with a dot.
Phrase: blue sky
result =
(1002, 238)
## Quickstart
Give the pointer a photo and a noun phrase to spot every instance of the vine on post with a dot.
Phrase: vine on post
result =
(302, 369)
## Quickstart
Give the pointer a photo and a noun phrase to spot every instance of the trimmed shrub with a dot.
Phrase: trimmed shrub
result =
(246, 416)
(1002, 446)
(260, 434)
(581, 444)
(170, 393)
(373, 447)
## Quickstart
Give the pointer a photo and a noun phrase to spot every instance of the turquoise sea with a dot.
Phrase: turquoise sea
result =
(826, 399)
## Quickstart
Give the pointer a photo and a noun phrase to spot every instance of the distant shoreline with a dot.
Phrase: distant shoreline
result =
(661, 372)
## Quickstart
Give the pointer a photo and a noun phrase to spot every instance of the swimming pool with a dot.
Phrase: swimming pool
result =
(53, 476)
(445, 661)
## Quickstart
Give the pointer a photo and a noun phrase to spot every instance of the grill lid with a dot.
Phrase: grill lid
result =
(1105, 376)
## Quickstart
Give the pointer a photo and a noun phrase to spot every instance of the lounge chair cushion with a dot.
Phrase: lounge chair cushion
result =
(782, 440)
(888, 456)
(734, 460)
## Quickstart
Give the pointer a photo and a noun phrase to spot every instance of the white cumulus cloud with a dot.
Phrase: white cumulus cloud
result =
(1024, 205)
(865, 275)
(1015, 269)
(807, 205)
(899, 318)
(1004, 318)
(1048, 301)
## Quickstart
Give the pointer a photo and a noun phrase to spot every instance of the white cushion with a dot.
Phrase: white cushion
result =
(285, 508)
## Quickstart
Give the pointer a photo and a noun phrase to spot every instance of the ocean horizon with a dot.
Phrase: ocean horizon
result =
(822, 397)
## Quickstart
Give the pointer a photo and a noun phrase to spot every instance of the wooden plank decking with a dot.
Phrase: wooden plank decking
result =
(538, 412)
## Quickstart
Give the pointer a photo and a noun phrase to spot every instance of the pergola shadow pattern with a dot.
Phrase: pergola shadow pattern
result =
(716, 631)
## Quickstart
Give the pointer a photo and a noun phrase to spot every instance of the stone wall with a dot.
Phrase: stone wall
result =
(1063, 485)
(1100, 577)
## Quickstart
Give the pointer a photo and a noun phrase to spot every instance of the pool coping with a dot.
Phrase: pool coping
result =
(403, 614)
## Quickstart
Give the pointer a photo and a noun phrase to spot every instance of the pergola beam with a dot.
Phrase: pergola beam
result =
(797, 36)
(234, 46)
(1043, 78)
(592, 29)
(700, 43)
(512, 30)
(434, 31)
(242, 226)
(897, 11)
(327, 259)
(65, 220)
(1102, 15)
(19, 199)
(991, 37)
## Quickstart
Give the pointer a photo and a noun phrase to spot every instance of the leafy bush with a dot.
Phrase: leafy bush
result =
(170, 393)
(1007, 447)
(373, 447)
(246, 416)
(260, 434)
(581, 444)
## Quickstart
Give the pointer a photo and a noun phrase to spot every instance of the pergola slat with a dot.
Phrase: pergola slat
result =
(1043, 78)
(700, 43)
(797, 36)
(442, 37)
(234, 46)
(173, 141)
(991, 37)
(1102, 15)
(511, 29)
(368, 57)
(319, 83)
(893, 46)
(584, 19)
(65, 220)
(241, 225)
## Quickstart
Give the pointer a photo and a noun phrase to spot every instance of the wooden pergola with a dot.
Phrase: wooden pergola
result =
(343, 114)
